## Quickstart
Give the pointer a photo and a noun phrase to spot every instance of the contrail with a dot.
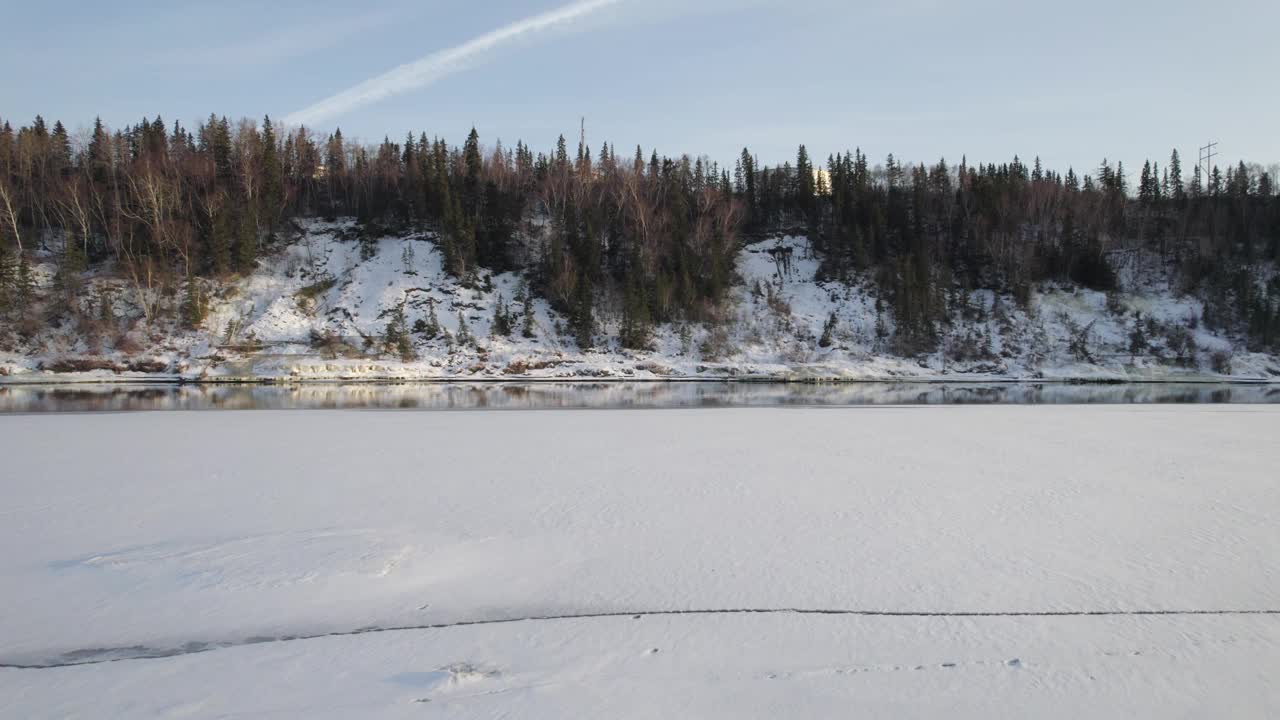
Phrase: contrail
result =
(437, 65)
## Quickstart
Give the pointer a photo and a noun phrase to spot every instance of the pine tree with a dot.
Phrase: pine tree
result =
(749, 180)
(1145, 185)
(220, 147)
(406, 259)
(396, 338)
(23, 286)
(636, 332)
(882, 328)
(501, 324)
(1137, 337)
(404, 348)
(562, 156)
(335, 158)
(583, 321)
(527, 310)
(7, 271)
(828, 331)
(221, 239)
(246, 241)
(195, 305)
(74, 259)
(473, 167)
(99, 155)
(1176, 189)
(272, 176)
(804, 184)
(428, 328)
(61, 148)
(464, 332)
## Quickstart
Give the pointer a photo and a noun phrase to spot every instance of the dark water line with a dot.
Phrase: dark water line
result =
(98, 656)
(605, 395)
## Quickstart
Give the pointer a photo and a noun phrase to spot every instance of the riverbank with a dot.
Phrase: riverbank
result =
(326, 308)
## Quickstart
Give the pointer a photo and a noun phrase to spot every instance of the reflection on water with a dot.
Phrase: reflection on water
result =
(536, 396)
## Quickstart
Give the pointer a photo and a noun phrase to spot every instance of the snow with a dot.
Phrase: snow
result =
(217, 537)
(261, 327)
(727, 666)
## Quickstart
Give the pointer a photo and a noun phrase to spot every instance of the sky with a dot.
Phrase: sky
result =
(1073, 82)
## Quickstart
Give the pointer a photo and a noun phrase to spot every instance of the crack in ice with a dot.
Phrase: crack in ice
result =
(97, 656)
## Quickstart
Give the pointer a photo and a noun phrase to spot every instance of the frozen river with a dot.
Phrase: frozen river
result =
(941, 560)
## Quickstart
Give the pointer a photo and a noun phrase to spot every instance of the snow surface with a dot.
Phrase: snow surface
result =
(227, 534)
(261, 327)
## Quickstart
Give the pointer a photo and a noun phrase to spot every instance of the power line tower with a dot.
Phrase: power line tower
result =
(1205, 163)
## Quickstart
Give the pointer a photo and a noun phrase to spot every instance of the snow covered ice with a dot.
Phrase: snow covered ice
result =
(954, 561)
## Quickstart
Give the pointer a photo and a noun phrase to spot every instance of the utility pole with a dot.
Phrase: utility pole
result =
(1207, 154)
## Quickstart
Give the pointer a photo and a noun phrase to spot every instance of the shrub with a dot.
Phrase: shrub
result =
(1220, 361)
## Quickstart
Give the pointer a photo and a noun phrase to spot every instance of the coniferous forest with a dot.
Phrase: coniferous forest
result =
(169, 207)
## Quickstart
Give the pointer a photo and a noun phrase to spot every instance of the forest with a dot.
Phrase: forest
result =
(172, 208)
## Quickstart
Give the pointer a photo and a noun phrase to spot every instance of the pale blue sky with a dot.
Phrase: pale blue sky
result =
(1072, 81)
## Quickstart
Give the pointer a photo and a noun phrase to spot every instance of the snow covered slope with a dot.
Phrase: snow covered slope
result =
(320, 309)
(233, 536)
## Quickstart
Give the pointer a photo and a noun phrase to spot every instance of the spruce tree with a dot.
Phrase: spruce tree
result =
(562, 156)
(473, 167)
(804, 185)
(221, 240)
(61, 148)
(246, 240)
(99, 155)
(583, 321)
(828, 331)
(7, 271)
(501, 323)
(404, 348)
(1137, 337)
(527, 309)
(395, 338)
(464, 332)
(272, 176)
(749, 182)
(636, 331)
(23, 286)
(428, 328)
(195, 305)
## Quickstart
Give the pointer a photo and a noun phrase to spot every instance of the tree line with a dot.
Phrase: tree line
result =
(640, 236)
(928, 233)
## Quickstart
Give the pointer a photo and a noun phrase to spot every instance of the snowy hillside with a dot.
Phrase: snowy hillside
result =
(335, 305)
